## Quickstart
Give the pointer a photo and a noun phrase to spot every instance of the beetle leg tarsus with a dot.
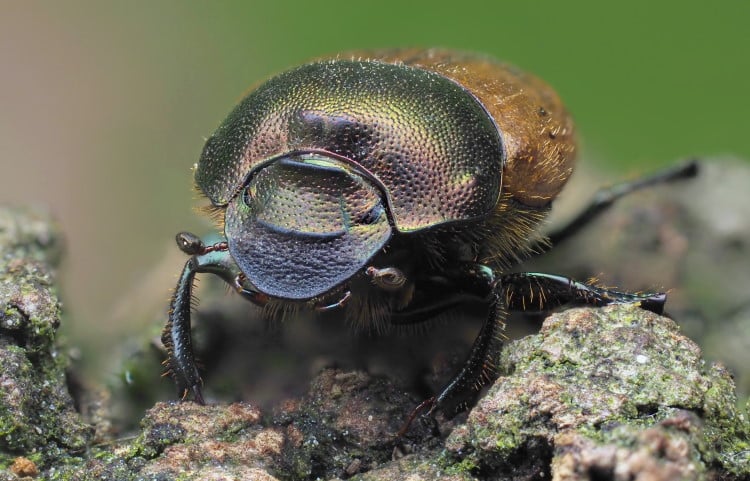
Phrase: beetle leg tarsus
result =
(534, 292)
(198, 394)
(335, 305)
(427, 405)
(257, 298)
(654, 303)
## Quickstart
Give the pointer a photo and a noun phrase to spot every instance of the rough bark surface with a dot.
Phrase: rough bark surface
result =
(611, 393)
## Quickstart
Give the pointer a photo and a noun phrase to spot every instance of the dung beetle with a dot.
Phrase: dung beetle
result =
(391, 186)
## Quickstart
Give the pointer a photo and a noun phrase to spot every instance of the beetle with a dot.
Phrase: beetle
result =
(391, 186)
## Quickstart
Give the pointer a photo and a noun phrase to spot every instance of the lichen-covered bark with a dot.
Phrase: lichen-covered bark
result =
(615, 392)
(37, 418)
(612, 393)
(689, 238)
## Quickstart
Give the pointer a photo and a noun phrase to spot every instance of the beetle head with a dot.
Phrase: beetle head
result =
(302, 225)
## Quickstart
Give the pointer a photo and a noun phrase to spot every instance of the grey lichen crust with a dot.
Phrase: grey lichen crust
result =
(37, 418)
(612, 393)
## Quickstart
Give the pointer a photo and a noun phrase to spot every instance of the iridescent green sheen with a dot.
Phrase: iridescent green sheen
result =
(424, 140)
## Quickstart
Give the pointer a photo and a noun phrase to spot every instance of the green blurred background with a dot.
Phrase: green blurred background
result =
(105, 106)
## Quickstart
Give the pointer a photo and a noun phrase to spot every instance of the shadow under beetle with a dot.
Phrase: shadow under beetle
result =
(391, 186)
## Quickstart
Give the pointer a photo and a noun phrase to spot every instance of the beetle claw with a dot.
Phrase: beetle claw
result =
(239, 280)
(340, 303)
(655, 303)
(259, 299)
(198, 395)
(428, 406)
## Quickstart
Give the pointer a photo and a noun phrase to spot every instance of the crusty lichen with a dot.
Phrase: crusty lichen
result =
(610, 387)
(616, 392)
(37, 418)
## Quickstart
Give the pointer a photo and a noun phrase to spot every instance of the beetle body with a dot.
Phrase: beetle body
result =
(421, 139)
(392, 185)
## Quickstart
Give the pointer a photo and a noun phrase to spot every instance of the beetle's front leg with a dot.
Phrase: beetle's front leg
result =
(214, 259)
(176, 337)
(469, 281)
(479, 281)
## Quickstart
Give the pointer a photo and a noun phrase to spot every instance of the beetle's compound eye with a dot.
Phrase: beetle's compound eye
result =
(373, 215)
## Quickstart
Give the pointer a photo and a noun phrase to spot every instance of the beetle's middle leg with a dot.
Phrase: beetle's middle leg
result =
(535, 292)
(522, 291)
